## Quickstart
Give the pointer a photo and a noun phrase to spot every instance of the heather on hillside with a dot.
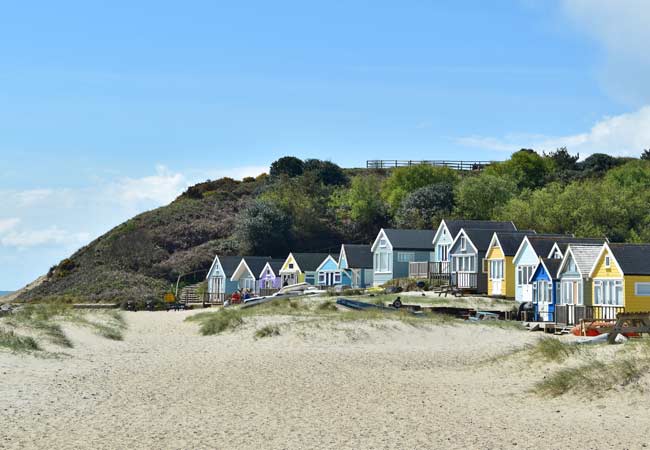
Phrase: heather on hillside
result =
(315, 205)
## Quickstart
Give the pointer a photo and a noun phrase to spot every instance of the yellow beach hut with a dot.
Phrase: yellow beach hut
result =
(498, 262)
(621, 280)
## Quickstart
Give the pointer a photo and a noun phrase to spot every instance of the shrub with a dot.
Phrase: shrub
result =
(16, 343)
(267, 331)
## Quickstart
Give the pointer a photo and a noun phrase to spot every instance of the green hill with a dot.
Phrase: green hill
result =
(315, 206)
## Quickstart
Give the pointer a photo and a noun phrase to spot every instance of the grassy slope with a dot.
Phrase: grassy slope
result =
(141, 257)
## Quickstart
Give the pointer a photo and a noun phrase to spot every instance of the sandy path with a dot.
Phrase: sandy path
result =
(356, 386)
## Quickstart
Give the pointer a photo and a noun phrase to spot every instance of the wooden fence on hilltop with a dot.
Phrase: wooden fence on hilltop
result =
(456, 165)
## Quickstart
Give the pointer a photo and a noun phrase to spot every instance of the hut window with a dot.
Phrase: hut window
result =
(607, 261)
(642, 289)
(463, 243)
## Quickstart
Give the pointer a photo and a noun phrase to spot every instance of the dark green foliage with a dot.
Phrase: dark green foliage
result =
(598, 163)
(264, 229)
(526, 168)
(645, 156)
(425, 207)
(404, 180)
(479, 197)
(326, 172)
(563, 160)
(289, 166)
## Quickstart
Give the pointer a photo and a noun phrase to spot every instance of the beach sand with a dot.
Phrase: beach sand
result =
(352, 385)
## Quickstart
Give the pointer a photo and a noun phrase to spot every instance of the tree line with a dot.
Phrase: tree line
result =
(315, 205)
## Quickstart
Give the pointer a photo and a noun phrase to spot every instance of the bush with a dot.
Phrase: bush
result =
(289, 166)
(267, 331)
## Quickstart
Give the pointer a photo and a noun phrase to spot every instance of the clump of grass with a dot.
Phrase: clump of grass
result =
(593, 378)
(327, 306)
(218, 322)
(17, 343)
(267, 331)
(54, 333)
(551, 349)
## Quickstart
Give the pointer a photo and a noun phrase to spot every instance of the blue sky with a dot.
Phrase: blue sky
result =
(111, 108)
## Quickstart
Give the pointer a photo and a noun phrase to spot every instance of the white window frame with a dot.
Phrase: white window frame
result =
(642, 284)
(608, 262)
(463, 243)
(337, 277)
(606, 291)
(383, 243)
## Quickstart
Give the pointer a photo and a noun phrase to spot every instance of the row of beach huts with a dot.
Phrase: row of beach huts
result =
(565, 278)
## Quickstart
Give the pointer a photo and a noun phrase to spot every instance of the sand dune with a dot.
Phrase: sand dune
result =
(377, 385)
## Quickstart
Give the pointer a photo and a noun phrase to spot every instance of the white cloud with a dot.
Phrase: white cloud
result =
(8, 224)
(621, 28)
(43, 237)
(623, 135)
(157, 189)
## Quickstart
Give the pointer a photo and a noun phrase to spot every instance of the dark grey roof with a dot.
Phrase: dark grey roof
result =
(510, 241)
(552, 266)
(276, 265)
(309, 262)
(480, 238)
(359, 256)
(634, 259)
(229, 264)
(410, 239)
(543, 243)
(256, 263)
(454, 226)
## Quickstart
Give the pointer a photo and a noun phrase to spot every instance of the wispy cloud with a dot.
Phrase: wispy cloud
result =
(623, 135)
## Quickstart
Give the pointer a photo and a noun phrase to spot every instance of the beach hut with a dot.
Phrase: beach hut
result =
(530, 251)
(393, 250)
(355, 265)
(328, 273)
(468, 265)
(444, 237)
(574, 296)
(220, 285)
(269, 278)
(248, 271)
(501, 270)
(301, 267)
(621, 280)
(545, 288)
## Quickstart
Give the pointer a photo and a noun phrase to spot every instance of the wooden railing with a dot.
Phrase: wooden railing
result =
(464, 280)
(573, 314)
(432, 269)
(214, 298)
(456, 165)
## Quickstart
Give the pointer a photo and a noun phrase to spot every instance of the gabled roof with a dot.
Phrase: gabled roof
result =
(325, 260)
(358, 256)
(309, 262)
(510, 241)
(256, 263)
(584, 255)
(229, 264)
(409, 239)
(454, 226)
(563, 244)
(550, 265)
(275, 265)
(633, 259)
(479, 239)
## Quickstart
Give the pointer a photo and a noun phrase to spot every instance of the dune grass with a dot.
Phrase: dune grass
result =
(267, 331)
(215, 322)
(45, 319)
(16, 343)
(552, 349)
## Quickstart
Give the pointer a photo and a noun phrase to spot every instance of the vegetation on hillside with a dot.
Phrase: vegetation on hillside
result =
(315, 205)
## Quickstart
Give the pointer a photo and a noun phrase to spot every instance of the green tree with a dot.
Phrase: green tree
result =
(289, 166)
(264, 229)
(326, 172)
(563, 160)
(404, 180)
(425, 207)
(479, 197)
(360, 208)
(525, 167)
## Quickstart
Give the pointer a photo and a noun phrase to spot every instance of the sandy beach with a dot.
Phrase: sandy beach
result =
(353, 385)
